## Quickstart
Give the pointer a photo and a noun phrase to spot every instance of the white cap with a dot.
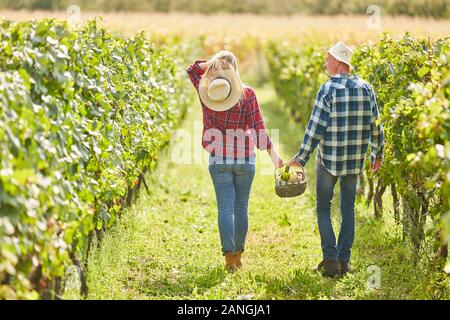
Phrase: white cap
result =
(342, 52)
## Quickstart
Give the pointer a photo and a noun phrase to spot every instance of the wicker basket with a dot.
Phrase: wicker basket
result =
(286, 189)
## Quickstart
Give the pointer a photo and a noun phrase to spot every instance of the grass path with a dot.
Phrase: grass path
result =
(167, 244)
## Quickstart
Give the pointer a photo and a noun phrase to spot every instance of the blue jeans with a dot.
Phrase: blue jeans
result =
(232, 184)
(324, 189)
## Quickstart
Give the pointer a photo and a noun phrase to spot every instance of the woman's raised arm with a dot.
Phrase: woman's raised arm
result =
(195, 71)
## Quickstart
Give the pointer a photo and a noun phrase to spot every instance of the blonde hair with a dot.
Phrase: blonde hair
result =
(224, 60)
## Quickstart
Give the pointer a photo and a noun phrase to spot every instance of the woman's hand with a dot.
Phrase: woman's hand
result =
(278, 163)
(203, 66)
(276, 160)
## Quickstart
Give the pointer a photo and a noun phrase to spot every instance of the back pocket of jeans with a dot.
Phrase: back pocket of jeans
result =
(244, 168)
(217, 167)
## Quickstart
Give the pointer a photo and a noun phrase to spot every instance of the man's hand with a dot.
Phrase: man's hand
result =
(376, 165)
(295, 163)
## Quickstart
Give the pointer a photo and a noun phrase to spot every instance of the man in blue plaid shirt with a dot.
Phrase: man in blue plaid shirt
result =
(343, 124)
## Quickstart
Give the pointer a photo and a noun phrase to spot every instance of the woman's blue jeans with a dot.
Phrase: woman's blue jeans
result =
(232, 184)
(324, 189)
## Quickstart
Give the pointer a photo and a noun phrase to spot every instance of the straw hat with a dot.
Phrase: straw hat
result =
(221, 91)
(340, 51)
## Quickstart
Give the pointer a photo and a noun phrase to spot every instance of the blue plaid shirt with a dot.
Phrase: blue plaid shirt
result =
(343, 123)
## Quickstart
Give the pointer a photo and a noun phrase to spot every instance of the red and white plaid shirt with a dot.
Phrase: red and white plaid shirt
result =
(236, 131)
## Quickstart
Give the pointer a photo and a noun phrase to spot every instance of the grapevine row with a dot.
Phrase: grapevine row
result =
(83, 113)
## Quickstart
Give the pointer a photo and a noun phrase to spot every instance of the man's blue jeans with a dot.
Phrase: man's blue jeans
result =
(232, 184)
(324, 189)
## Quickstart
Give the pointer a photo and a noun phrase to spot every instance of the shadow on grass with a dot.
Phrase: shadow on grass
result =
(383, 267)
(302, 284)
(184, 286)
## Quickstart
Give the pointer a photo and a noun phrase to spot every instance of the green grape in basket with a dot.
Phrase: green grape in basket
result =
(285, 175)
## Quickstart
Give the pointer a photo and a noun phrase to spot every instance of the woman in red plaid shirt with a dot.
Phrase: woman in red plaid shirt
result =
(232, 126)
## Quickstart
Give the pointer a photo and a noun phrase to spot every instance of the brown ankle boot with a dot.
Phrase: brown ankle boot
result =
(238, 259)
(230, 262)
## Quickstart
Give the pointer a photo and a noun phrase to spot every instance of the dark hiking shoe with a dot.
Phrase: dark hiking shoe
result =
(344, 267)
(328, 268)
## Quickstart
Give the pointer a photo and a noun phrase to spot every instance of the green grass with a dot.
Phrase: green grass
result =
(167, 246)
